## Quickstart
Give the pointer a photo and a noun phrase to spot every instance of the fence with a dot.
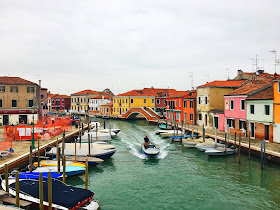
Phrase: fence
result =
(45, 128)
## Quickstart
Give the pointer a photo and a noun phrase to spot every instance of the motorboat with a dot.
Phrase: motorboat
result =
(45, 163)
(93, 145)
(190, 143)
(64, 197)
(167, 134)
(70, 170)
(161, 131)
(113, 130)
(151, 151)
(209, 144)
(164, 126)
(94, 124)
(100, 136)
(220, 151)
(84, 152)
(35, 175)
(92, 161)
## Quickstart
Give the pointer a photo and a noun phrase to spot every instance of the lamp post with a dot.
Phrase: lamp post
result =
(33, 139)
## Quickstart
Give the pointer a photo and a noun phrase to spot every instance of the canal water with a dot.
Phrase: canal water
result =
(179, 178)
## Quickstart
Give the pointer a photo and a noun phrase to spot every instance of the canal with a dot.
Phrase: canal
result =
(179, 178)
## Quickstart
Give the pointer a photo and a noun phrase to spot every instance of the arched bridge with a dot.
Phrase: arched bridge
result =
(147, 112)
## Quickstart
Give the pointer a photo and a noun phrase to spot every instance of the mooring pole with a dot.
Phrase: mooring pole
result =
(58, 160)
(264, 156)
(75, 151)
(239, 147)
(17, 189)
(86, 175)
(226, 144)
(203, 133)
(64, 168)
(249, 146)
(41, 194)
(7, 178)
(88, 145)
(38, 153)
(30, 158)
(63, 143)
(50, 190)
(235, 140)
(261, 154)
(104, 126)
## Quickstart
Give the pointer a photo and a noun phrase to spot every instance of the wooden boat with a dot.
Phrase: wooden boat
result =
(100, 136)
(151, 151)
(92, 161)
(167, 134)
(64, 197)
(208, 144)
(220, 151)
(163, 126)
(46, 163)
(70, 170)
(114, 131)
(190, 143)
(93, 145)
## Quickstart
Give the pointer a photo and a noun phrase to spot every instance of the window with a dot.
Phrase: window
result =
(242, 124)
(157, 101)
(123, 100)
(191, 117)
(177, 116)
(252, 109)
(2, 88)
(126, 110)
(242, 104)
(266, 109)
(114, 100)
(191, 104)
(179, 103)
(114, 109)
(131, 100)
(30, 103)
(175, 103)
(185, 104)
(199, 116)
(206, 100)
(153, 101)
(199, 100)
(165, 102)
(0, 102)
(278, 87)
(231, 123)
(14, 103)
(144, 100)
(126, 100)
(30, 89)
(14, 89)
(232, 104)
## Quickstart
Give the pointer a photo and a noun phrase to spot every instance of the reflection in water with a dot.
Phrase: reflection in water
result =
(151, 161)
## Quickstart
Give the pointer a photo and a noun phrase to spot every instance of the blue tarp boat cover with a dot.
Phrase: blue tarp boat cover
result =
(64, 195)
(35, 175)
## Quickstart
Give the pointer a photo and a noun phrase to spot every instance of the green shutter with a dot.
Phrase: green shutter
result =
(11, 89)
(27, 89)
(17, 89)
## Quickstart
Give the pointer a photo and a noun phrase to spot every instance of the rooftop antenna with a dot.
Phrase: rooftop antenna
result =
(207, 77)
(227, 70)
(191, 76)
(37, 75)
(274, 51)
(255, 63)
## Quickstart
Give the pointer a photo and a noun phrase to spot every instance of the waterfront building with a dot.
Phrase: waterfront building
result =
(258, 75)
(19, 100)
(106, 109)
(189, 108)
(49, 101)
(175, 106)
(97, 101)
(44, 101)
(235, 106)
(80, 100)
(60, 103)
(260, 113)
(276, 108)
(210, 100)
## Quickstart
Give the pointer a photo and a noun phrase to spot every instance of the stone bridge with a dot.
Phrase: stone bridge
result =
(147, 112)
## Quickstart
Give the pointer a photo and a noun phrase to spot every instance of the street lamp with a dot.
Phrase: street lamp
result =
(33, 139)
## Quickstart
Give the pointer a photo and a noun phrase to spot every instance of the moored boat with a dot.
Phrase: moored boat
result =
(190, 143)
(208, 144)
(46, 163)
(220, 151)
(70, 170)
(151, 151)
(164, 126)
(92, 161)
(35, 175)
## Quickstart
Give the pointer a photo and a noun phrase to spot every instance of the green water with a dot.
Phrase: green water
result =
(180, 178)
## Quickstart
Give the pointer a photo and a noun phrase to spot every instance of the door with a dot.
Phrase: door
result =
(120, 111)
(266, 132)
(185, 117)
(252, 129)
(22, 119)
(216, 122)
(5, 119)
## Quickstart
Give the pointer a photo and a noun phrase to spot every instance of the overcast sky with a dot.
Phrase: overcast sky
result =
(129, 44)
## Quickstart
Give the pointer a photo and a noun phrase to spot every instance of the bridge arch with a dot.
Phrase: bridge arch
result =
(134, 114)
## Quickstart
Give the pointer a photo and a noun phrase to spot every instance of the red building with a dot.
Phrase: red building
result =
(60, 103)
(175, 105)
(189, 108)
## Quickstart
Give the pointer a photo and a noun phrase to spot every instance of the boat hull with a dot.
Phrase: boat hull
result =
(150, 152)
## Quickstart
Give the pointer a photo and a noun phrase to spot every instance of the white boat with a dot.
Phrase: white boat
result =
(209, 145)
(94, 124)
(220, 151)
(151, 151)
(70, 170)
(93, 145)
(190, 143)
(161, 131)
(113, 130)
(65, 197)
(168, 134)
(100, 136)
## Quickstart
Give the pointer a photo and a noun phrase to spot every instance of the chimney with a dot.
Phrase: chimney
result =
(260, 71)
(240, 74)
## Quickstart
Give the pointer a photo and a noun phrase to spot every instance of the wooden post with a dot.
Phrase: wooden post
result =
(64, 168)
(203, 133)
(96, 133)
(7, 178)
(165, 124)
(38, 153)
(63, 143)
(82, 128)
(30, 158)
(88, 127)
(226, 144)
(58, 160)
(17, 189)
(104, 124)
(50, 190)
(239, 147)
(234, 140)
(192, 133)
(249, 146)
(86, 174)
(41, 195)
(261, 154)
(89, 145)
(57, 148)
(75, 151)
(264, 150)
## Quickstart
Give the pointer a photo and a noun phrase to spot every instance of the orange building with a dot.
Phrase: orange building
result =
(276, 109)
(189, 108)
(106, 109)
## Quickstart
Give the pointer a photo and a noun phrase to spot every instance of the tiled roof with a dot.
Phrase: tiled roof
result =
(61, 96)
(192, 94)
(100, 97)
(227, 84)
(250, 86)
(178, 94)
(109, 104)
(15, 80)
(265, 76)
(50, 95)
(265, 94)
(150, 92)
(85, 92)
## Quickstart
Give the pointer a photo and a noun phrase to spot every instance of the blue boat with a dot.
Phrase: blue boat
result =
(163, 126)
(35, 175)
(70, 170)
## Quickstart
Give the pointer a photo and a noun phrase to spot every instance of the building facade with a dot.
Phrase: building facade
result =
(60, 103)
(96, 102)
(106, 109)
